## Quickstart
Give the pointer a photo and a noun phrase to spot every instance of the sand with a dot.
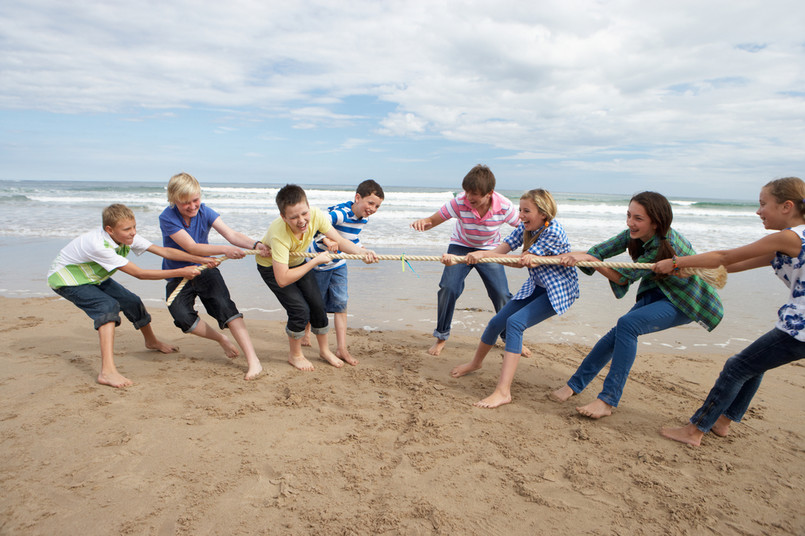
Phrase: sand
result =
(392, 446)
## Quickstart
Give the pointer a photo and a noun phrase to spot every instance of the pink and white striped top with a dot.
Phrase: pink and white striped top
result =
(475, 231)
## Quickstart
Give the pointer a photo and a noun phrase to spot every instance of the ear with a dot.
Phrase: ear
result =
(788, 205)
(357, 197)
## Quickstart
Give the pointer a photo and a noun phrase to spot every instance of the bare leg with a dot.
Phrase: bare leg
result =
(204, 330)
(238, 329)
(722, 426)
(502, 394)
(296, 357)
(109, 374)
(562, 394)
(325, 353)
(595, 409)
(687, 434)
(306, 336)
(476, 363)
(340, 321)
(437, 347)
(152, 343)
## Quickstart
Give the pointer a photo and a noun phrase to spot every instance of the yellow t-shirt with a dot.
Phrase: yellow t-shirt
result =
(282, 241)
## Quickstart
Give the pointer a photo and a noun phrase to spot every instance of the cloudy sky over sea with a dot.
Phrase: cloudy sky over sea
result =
(703, 98)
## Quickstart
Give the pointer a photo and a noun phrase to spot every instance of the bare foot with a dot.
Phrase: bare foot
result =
(253, 372)
(331, 358)
(306, 340)
(230, 349)
(494, 400)
(526, 352)
(160, 346)
(595, 409)
(722, 426)
(687, 434)
(562, 394)
(300, 362)
(346, 356)
(114, 379)
(436, 349)
(463, 369)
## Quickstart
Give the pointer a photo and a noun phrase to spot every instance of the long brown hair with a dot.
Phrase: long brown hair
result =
(659, 212)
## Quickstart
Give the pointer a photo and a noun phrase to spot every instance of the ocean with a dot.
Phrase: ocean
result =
(37, 218)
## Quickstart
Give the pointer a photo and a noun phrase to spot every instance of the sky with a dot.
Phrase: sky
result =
(689, 98)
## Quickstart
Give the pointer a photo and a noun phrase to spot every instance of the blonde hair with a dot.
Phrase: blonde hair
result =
(546, 205)
(182, 186)
(116, 213)
(788, 189)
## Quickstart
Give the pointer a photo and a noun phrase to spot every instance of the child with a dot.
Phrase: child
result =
(185, 226)
(479, 213)
(348, 219)
(82, 272)
(662, 302)
(782, 208)
(290, 278)
(549, 290)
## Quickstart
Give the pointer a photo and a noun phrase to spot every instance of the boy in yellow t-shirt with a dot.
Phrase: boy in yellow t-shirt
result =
(291, 278)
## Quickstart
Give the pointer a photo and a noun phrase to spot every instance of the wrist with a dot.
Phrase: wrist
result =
(254, 246)
(675, 264)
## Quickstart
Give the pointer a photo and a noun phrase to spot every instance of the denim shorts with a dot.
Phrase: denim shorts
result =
(103, 302)
(333, 286)
(210, 288)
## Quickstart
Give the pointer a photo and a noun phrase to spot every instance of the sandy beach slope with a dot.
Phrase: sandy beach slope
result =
(392, 446)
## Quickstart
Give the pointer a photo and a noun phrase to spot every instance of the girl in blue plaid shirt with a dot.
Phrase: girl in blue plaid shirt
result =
(548, 291)
(662, 302)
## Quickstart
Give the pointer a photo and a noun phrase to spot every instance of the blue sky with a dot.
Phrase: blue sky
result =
(687, 98)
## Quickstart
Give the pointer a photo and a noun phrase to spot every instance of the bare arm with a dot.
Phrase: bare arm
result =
(179, 255)
(428, 223)
(286, 275)
(570, 259)
(188, 272)
(348, 247)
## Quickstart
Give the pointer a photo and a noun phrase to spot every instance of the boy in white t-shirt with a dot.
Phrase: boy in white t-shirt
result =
(82, 272)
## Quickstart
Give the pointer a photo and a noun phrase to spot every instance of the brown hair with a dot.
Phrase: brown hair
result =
(369, 187)
(659, 211)
(115, 213)
(788, 189)
(290, 195)
(480, 179)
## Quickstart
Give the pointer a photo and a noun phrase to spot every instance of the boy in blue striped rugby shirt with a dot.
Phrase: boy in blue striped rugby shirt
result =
(348, 219)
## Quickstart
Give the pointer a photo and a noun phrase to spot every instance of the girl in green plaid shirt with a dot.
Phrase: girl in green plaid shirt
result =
(662, 301)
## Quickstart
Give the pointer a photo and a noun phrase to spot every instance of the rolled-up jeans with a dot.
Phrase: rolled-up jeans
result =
(741, 376)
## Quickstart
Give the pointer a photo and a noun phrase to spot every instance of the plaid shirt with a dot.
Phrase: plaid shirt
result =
(695, 298)
(561, 282)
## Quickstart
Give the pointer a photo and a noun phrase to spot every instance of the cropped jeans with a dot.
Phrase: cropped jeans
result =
(741, 376)
(517, 316)
(451, 286)
(653, 312)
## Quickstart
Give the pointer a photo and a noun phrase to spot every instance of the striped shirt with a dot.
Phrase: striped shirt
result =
(347, 224)
(691, 295)
(560, 282)
(91, 258)
(475, 231)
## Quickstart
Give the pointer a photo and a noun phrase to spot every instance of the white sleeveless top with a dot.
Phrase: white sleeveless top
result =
(792, 271)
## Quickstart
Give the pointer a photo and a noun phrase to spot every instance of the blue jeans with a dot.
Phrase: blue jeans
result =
(104, 301)
(333, 286)
(451, 286)
(652, 312)
(741, 377)
(517, 316)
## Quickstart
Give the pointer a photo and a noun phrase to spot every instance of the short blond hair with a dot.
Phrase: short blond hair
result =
(116, 213)
(181, 186)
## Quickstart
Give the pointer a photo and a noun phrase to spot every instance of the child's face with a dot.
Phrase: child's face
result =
(363, 207)
(297, 217)
(123, 232)
(769, 210)
(480, 202)
(640, 225)
(188, 206)
(530, 215)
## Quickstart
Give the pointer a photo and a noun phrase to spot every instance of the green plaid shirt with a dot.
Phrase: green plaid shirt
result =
(698, 300)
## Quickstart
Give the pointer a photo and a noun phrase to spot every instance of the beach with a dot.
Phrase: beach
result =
(391, 446)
